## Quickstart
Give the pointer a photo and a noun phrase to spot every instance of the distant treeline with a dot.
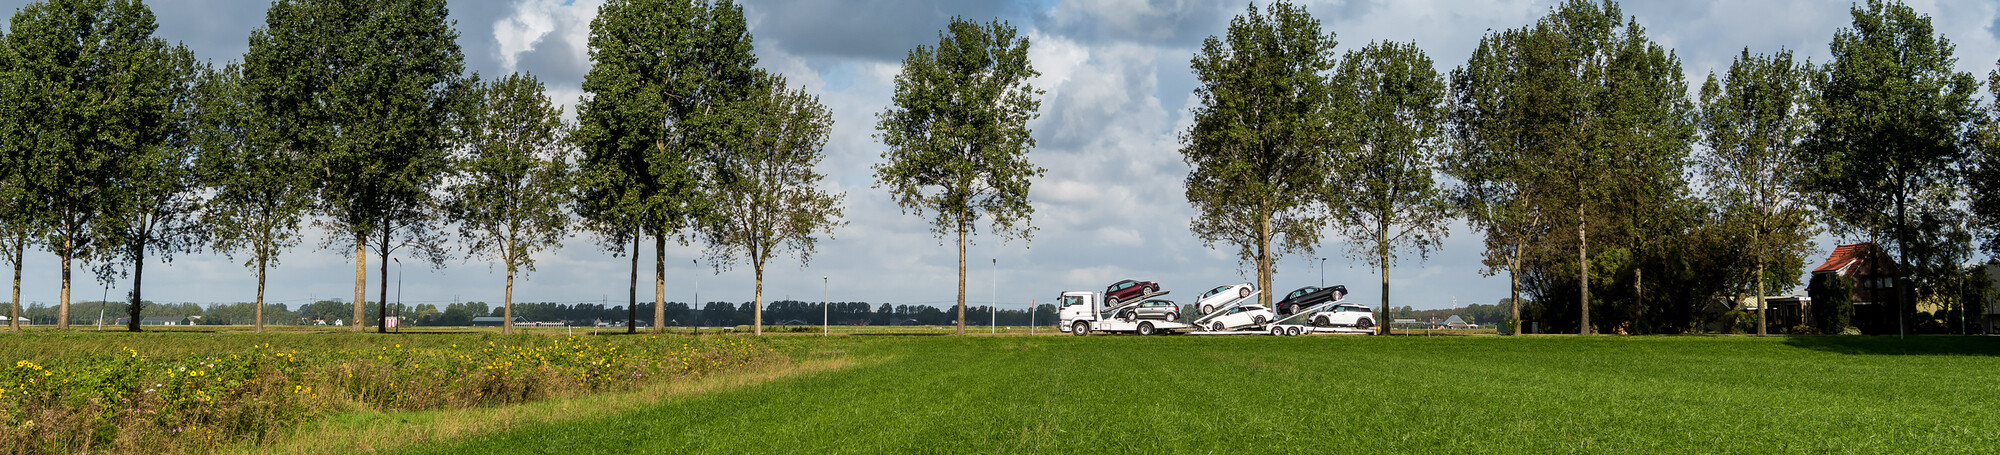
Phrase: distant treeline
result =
(577, 314)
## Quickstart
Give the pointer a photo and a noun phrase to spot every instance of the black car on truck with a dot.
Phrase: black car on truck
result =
(1309, 296)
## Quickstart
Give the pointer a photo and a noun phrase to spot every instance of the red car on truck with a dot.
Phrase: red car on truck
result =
(1126, 290)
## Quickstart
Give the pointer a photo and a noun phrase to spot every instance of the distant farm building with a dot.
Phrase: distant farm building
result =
(1876, 279)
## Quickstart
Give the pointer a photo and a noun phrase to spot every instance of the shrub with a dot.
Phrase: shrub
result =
(1802, 329)
(131, 401)
(1832, 302)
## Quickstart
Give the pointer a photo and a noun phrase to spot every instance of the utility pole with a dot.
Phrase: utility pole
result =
(993, 307)
(825, 296)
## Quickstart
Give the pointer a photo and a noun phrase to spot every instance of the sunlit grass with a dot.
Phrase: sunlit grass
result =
(1189, 394)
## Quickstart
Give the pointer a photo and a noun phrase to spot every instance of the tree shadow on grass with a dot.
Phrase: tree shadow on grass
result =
(1891, 345)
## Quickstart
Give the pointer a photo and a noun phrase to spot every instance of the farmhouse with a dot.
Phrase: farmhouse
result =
(159, 320)
(1876, 279)
(494, 321)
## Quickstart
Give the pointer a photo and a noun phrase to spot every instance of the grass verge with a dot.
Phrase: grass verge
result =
(386, 431)
(1191, 394)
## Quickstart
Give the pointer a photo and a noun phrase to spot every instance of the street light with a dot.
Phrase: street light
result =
(825, 328)
(399, 295)
(1322, 272)
(993, 306)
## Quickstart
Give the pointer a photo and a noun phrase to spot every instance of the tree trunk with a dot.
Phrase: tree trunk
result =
(263, 261)
(382, 302)
(1638, 297)
(1903, 315)
(14, 316)
(1761, 303)
(1382, 258)
(659, 283)
(1583, 270)
(138, 275)
(62, 307)
(1514, 287)
(507, 305)
(758, 318)
(632, 309)
(1264, 258)
(961, 271)
(360, 282)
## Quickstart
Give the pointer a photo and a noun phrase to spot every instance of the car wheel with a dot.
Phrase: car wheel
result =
(1294, 331)
(1218, 327)
(1243, 293)
(1277, 331)
(1171, 317)
(1364, 324)
(1081, 328)
(1259, 319)
(1321, 322)
(1129, 316)
(1146, 328)
(1151, 289)
(1208, 309)
(1110, 302)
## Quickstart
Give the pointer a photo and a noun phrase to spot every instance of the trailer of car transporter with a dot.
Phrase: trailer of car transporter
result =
(1228, 320)
(1321, 319)
(1081, 316)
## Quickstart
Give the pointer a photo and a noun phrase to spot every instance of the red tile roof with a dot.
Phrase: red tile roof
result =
(1842, 256)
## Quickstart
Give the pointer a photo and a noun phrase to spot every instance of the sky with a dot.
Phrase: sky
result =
(1110, 207)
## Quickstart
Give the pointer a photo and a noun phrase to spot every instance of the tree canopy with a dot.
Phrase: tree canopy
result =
(958, 135)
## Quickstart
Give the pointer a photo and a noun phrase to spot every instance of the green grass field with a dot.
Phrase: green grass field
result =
(1192, 394)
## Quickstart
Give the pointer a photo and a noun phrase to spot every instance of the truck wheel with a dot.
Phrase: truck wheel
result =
(1277, 331)
(1294, 331)
(1081, 328)
(1364, 324)
(1218, 327)
(1145, 328)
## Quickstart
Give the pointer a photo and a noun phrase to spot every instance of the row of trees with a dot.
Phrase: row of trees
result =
(1574, 145)
(358, 117)
(678, 314)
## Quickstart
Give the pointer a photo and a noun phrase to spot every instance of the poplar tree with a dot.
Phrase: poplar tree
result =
(17, 220)
(1580, 122)
(369, 92)
(768, 185)
(651, 121)
(1391, 120)
(260, 187)
(159, 198)
(1891, 125)
(511, 180)
(1488, 158)
(1752, 119)
(1260, 136)
(958, 135)
(91, 88)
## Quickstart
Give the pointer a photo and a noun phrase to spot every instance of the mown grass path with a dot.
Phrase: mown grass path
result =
(1190, 394)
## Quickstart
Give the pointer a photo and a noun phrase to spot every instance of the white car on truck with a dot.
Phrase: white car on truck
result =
(1080, 315)
(1250, 316)
(1222, 295)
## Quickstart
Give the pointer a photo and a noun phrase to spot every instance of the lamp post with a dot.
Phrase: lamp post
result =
(993, 306)
(825, 328)
(1322, 272)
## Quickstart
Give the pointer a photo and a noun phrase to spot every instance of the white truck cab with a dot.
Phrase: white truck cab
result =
(1082, 312)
